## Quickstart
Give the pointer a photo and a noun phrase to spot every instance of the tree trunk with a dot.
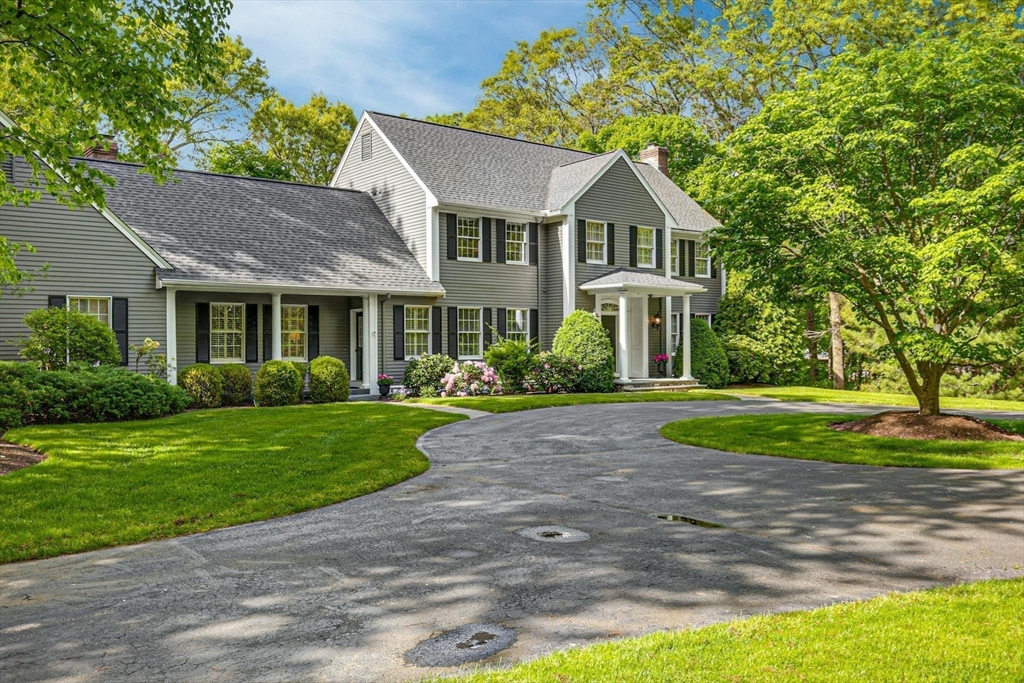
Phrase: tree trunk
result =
(928, 397)
(836, 327)
(812, 345)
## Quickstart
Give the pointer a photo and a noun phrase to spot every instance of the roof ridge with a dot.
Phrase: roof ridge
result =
(479, 132)
(590, 158)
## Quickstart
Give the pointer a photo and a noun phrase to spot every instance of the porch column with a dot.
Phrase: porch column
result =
(623, 350)
(645, 341)
(371, 343)
(275, 327)
(172, 336)
(685, 341)
(666, 321)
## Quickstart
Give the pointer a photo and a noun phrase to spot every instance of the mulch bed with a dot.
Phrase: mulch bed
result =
(902, 424)
(14, 457)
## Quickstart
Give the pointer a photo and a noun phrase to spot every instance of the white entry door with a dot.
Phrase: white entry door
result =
(637, 352)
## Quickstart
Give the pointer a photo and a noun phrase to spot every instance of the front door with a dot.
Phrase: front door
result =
(359, 346)
(608, 322)
(637, 353)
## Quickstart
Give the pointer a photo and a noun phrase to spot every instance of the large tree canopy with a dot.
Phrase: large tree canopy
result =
(895, 178)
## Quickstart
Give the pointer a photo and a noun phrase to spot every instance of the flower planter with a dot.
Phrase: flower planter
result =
(384, 390)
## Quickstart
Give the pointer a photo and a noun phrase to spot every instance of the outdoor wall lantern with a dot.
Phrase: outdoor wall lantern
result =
(656, 321)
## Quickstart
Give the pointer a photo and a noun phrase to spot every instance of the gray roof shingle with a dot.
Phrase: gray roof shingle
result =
(249, 230)
(641, 279)
(568, 179)
(689, 214)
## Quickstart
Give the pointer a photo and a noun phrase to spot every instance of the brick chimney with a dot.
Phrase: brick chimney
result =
(656, 156)
(105, 148)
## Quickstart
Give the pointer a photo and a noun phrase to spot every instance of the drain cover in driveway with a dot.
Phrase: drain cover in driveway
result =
(468, 643)
(554, 534)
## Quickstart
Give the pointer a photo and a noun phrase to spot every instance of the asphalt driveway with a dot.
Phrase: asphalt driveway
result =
(348, 592)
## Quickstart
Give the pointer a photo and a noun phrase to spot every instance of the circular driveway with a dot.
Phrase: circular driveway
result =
(345, 592)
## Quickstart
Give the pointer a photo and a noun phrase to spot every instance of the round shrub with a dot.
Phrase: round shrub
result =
(511, 359)
(278, 383)
(59, 335)
(237, 384)
(203, 383)
(552, 373)
(328, 380)
(708, 362)
(583, 339)
(424, 376)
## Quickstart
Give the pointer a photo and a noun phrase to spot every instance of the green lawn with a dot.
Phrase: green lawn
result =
(835, 396)
(808, 437)
(117, 483)
(964, 633)
(515, 402)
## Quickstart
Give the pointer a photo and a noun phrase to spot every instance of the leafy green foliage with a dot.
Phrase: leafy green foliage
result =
(328, 380)
(708, 362)
(12, 277)
(58, 336)
(278, 383)
(511, 360)
(423, 375)
(554, 373)
(245, 159)
(204, 384)
(82, 394)
(582, 339)
(237, 389)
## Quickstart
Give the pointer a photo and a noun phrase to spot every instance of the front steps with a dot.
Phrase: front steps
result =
(657, 384)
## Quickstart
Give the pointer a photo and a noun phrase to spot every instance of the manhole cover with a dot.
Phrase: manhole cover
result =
(468, 643)
(554, 534)
(689, 520)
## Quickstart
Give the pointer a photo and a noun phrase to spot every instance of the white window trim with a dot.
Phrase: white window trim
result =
(305, 333)
(676, 263)
(430, 330)
(480, 335)
(110, 304)
(479, 240)
(696, 259)
(526, 319)
(525, 243)
(604, 245)
(227, 361)
(654, 247)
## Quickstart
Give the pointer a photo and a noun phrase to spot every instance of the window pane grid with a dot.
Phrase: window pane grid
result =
(645, 246)
(515, 242)
(702, 259)
(293, 332)
(517, 324)
(596, 241)
(97, 307)
(468, 238)
(417, 331)
(675, 257)
(226, 324)
(469, 332)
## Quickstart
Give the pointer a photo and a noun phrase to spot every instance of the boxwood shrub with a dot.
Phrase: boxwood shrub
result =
(582, 338)
(423, 376)
(708, 362)
(328, 380)
(278, 383)
(237, 384)
(204, 384)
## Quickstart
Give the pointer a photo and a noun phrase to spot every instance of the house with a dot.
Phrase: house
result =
(429, 239)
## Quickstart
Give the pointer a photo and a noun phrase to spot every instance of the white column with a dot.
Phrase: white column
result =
(368, 383)
(666, 322)
(623, 350)
(568, 235)
(171, 350)
(275, 327)
(372, 345)
(685, 341)
(646, 337)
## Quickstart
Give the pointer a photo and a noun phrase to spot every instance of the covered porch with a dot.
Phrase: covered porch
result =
(622, 300)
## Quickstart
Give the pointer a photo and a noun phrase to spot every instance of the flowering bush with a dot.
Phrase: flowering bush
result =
(471, 378)
(553, 373)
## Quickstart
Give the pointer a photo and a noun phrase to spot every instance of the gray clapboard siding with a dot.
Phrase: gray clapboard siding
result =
(390, 366)
(703, 302)
(392, 187)
(87, 257)
(551, 283)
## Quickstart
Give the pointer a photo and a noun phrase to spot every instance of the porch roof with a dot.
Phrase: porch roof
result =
(639, 282)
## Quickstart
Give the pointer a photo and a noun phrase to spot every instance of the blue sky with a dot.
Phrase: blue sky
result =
(397, 56)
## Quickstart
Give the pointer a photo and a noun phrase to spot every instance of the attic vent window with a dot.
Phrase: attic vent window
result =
(367, 146)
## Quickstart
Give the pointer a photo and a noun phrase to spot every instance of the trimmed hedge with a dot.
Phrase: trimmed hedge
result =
(423, 375)
(82, 394)
(582, 338)
(708, 362)
(328, 380)
(237, 385)
(204, 384)
(278, 383)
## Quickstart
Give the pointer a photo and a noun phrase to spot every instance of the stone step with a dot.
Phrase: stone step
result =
(684, 386)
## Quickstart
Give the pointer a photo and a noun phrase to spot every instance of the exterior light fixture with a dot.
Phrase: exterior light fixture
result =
(656, 322)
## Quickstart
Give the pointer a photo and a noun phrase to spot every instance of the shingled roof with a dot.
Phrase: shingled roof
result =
(229, 229)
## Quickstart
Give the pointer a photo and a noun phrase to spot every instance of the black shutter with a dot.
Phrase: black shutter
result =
(202, 332)
(499, 238)
(714, 268)
(611, 244)
(485, 242)
(581, 241)
(119, 323)
(453, 236)
(502, 322)
(659, 246)
(632, 246)
(453, 332)
(268, 332)
(691, 258)
(252, 333)
(313, 334)
(57, 301)
(534, 328)
(533, 244)
(435, 329)
(487, 327)
(399, 313)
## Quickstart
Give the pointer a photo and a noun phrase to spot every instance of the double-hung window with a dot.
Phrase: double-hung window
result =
(227, 333)
(645, 247)
(293, 332)
(470, 333)
(468, 242)
(96, 306)
(597, 242)
(702, 260)
(517, 324)
(675, 257)
(515, 243)
(417, 331)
